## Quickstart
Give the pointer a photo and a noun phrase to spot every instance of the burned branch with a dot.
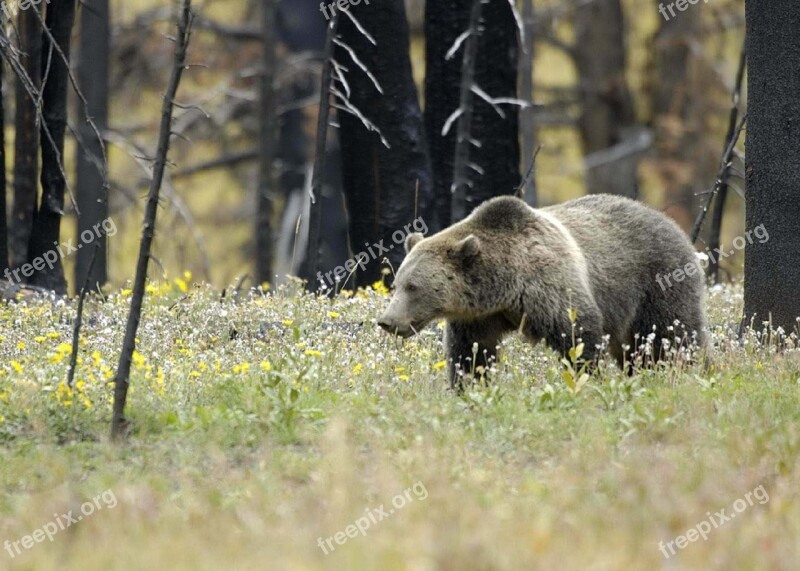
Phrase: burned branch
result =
(119, 424)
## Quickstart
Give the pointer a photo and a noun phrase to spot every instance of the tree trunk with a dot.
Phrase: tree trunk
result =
(677, 128)
(772, 266)
(462, 168)
(313, 248)
(300, 29)
(26, 139)
(722, 193)
(91, 191)
(527, 116)
(268, 134)
(498, 156)
(3, 207)
(385, 188)
(607, 124)
(59, 19)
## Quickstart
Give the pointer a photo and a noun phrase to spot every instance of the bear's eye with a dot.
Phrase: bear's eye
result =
(411, 287)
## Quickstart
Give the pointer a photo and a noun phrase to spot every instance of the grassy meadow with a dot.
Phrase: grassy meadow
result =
(265, 424)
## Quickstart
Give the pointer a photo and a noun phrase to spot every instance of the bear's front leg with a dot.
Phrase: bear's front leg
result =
(460, 339)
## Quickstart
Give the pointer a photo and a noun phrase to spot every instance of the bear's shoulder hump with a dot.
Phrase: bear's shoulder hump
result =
(502, 211)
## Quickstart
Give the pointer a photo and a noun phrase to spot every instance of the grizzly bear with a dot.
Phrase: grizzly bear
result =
(509, 267)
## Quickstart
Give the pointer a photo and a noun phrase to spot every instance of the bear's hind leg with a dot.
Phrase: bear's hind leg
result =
(657, 319)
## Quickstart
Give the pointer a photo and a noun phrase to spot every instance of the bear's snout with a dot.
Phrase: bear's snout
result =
(386, 324)
(395, 327)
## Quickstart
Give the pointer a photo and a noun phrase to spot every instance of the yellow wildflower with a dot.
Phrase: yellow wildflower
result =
(380, 287)
(64, 394)
(138, 360)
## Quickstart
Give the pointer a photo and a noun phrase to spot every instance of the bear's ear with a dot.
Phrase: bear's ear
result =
(467, 249)
(413, 240)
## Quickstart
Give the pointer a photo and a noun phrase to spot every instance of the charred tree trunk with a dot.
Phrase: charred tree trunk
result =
(498, 157)
(772, 266)
(607, 124)
(91, 192)
(119, 424)
(385, 187)
(302, 31)
(268, 135)
(26, 139)
(59, 19)
(462, 166)
(312, 265)
(722, 193)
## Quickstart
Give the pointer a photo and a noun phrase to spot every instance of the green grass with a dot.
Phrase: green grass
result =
(264, 423)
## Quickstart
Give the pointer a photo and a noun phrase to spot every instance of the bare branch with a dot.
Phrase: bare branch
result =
(359, 63)
(353, 110)
(360, 28)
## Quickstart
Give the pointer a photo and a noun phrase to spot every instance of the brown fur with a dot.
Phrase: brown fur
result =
(511, 267)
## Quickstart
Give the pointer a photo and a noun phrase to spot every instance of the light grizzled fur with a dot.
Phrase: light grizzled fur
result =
(599, 255)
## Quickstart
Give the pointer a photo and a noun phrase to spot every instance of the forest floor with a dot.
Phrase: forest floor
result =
(269, 430)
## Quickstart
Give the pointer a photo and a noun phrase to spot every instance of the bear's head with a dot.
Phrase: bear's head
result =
(432, 282)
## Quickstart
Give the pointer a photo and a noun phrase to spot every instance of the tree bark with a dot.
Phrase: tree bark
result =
(772, 267)
(498, 156)
(91, 189)
(385, 188)
(26, 139)
(268, 135)
(608, 119)
(60, 16)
